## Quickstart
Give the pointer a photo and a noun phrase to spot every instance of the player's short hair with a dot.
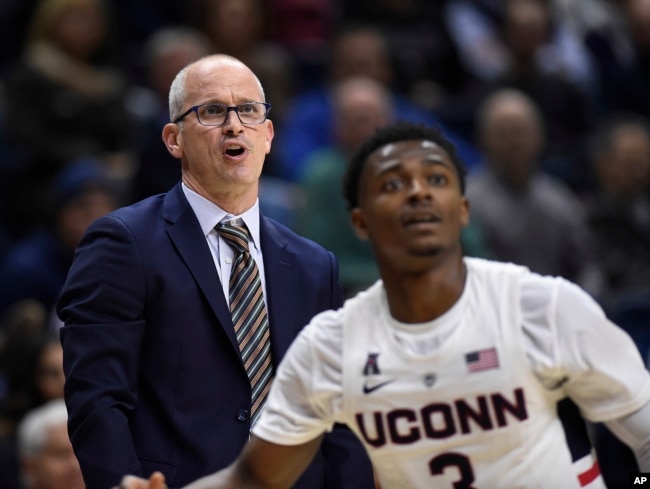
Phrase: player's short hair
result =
(400, 131)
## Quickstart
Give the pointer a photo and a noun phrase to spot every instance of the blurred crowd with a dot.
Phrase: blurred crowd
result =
(546, 100)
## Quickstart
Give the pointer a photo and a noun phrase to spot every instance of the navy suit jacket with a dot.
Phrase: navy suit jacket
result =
(154, 379)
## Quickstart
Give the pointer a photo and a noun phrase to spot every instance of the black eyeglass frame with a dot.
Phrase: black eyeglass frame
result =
(234, 108)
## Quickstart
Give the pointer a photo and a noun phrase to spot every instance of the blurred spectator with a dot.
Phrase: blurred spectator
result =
(356, 50)
(619, 210)
(425, 59)
(601, 20)
(361, 105)
(527, 217)
(65, 101)
(619, 215)
(476, 28)
(304, 28)
(33, 364)
(139, 21)
(31, 370)
(619, 43)
(566, 111)
(242, 28)
(523, 45)
(167, 52)
(22, 337)
(36, 266)
(47, 460)
(14, 19)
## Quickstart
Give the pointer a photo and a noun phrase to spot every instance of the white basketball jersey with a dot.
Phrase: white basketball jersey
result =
(470, 413)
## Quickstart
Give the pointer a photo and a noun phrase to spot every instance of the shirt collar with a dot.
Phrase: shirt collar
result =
(209, 214)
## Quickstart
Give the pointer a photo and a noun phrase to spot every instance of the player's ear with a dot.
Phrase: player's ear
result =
(359, 223)
(464, 212)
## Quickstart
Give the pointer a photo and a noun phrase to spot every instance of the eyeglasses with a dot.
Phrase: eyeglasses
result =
(217, 114)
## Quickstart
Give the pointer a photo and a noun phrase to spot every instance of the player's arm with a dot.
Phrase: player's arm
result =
(634, 431)
(261, 465)
(615, 393)
(266, 465)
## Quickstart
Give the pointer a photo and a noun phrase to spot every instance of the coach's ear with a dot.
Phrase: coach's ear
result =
(172, 136)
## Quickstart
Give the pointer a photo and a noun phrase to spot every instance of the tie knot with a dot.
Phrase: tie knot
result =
(235, 233)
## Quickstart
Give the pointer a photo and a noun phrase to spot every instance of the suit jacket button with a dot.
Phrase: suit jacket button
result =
(243, 415)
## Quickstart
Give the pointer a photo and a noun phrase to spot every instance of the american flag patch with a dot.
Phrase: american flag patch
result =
(482, 360)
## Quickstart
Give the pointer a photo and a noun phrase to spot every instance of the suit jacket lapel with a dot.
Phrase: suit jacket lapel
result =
(279, 266)
(187, 237)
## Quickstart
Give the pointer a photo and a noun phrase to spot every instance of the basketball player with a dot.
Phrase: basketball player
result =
(453, 371)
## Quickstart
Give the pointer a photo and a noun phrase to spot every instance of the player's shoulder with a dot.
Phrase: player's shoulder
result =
(491, 272)
(493, 269)
(545, 295)
(330, 323)
(367, 299)
(324, 332)
(504, 278)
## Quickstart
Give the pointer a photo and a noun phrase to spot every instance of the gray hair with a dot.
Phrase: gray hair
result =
(177, 93)
(168, 39)
(33, 429)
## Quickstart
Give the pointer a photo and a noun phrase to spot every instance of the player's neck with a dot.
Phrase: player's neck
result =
(418, 298)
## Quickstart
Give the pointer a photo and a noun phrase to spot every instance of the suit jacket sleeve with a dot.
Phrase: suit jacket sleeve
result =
(101, 306)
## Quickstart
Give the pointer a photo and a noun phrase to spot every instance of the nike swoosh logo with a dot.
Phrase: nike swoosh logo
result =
(367, 389)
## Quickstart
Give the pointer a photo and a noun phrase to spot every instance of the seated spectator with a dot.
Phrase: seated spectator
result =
(304, 29)
(618, 212)
(526, 216)
(36, 266)
(167, 51)
(31, 363)
(361, 105)
(619, 44)
(242, 28)
(566, 110)
(67, 101)
(426, 64)
(31, 374)
(355, 51)
(476, 28)
(520, 44)
(140, 20)
(47, 460)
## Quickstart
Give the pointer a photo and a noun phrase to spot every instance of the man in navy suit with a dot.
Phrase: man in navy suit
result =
(154, 377)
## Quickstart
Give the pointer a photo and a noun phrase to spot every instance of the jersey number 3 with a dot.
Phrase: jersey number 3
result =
(438, 464)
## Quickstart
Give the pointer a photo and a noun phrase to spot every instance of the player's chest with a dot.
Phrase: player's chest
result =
(473, 384)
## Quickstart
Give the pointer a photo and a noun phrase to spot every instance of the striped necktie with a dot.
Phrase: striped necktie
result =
(249, 313)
